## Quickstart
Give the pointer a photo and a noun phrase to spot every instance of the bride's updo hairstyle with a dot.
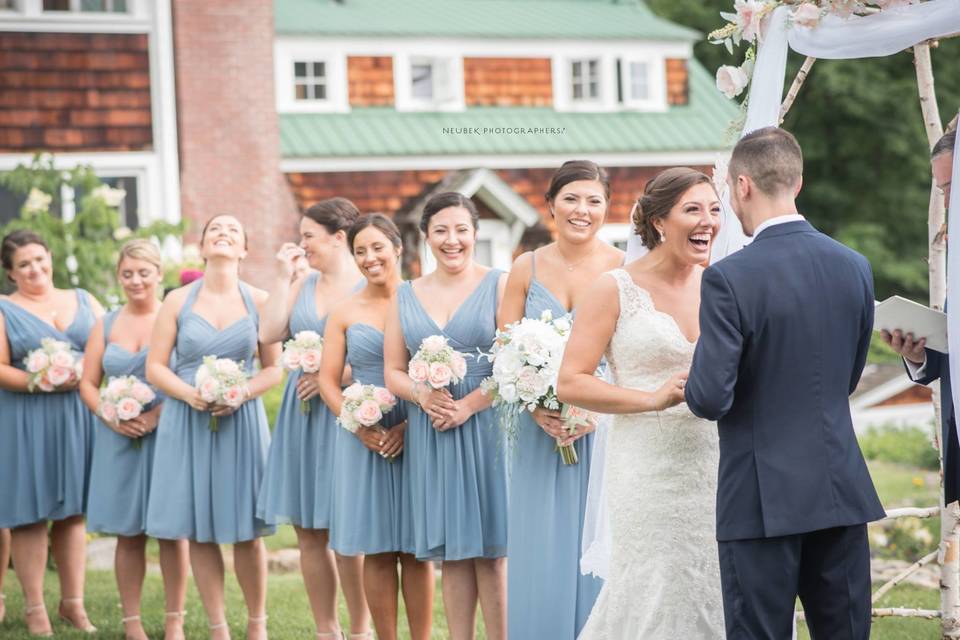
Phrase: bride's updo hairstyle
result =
(660, 195)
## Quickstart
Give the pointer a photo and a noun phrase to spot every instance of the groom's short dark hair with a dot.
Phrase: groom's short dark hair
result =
(771, 157)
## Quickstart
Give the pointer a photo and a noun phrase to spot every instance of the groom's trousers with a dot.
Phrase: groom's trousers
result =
(828, 569)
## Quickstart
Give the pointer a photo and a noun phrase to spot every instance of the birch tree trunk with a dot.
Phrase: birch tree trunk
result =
(949, 514)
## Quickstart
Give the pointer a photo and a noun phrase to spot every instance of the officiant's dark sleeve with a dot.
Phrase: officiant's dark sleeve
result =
(713, 375)
(931, 369)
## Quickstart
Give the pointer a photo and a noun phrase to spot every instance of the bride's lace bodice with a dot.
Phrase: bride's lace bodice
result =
(660, 481)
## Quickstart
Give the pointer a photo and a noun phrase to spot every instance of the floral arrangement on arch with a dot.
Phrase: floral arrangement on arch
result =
(747, 24)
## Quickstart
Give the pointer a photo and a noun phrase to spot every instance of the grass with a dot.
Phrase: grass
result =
(286, 603)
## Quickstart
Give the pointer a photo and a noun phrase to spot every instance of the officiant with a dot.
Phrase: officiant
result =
(926, 365)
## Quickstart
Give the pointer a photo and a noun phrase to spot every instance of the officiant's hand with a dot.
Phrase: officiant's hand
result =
(906, 345)
(550, 422)
(671, 393)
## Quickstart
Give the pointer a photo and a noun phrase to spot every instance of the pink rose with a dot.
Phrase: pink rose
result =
(291, 358)
(459, 365)
(368, 413)
(807, 15)
(434, 344)
(143, 393)
(226, 367)
(116, 386)
(731, 81)
(37, 361)
(440, 375)
(310, 361)
(58, 376)
(63, 359)
(418, 370)
(108, 411)
(384, 398)
(749, 17)
(233, 396)
(128, 409)
(209, 390)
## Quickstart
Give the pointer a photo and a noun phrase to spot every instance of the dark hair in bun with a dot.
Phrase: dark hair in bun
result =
(660, 195)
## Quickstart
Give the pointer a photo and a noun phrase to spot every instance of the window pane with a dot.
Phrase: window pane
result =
(639, 85)
(8, 4)
(422, 81)
(319, 92)
(319, 69)
(56, 5)
(593, 69)
(129, 216)
(594, 89)
(300, 69)
(483, 252)
(120, 6)
(93, 5)
(577, 91)
(301, 92)
(577, 71)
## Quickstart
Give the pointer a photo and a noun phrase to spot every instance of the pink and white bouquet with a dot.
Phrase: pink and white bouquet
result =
(364, 405)
(221, 381)
(526, 359)
(437, 364)
(52, 365)
(124, 398)
(302, 353)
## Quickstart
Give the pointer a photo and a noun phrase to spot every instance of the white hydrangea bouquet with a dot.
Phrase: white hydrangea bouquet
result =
(221, 381)
(52, 365)
(526, 359)
(124, 398)
(302, 353)
(437, 364)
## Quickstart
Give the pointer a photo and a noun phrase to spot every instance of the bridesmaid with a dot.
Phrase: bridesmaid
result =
(454, 449)
(120, 476)
(298, 482)
(368, 509)
(47, 438)
(210, 479)
(548, 596)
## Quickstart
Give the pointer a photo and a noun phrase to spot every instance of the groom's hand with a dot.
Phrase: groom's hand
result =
(906, 345)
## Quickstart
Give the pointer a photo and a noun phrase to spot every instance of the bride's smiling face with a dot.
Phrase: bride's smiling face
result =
(690, 227)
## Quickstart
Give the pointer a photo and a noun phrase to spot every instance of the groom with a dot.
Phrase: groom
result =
(785, 326)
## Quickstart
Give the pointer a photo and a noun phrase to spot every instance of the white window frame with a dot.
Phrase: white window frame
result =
(335, 66)
(562, 68)
(447, 78)
(586, 79)
(656, 99)
(30, 16)
(311, 80)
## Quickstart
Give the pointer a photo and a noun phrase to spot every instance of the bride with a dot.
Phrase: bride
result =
(661, 467)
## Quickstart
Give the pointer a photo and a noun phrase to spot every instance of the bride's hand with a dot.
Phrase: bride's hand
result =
(550, 422)
(671, 393)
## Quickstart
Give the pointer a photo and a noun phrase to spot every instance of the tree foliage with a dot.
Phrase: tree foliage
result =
(84, 249)
(866, 157)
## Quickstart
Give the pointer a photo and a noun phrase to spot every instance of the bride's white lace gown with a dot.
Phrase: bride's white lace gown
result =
(661, 483)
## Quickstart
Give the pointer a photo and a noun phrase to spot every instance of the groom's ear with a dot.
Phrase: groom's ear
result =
(744, 186)
(796, 190)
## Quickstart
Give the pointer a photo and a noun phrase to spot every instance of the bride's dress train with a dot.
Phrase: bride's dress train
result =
(660, 484)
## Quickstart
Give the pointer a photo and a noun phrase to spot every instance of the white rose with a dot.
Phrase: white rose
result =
(112, 197)
(562, 324)
(507, 364)
(122, 233)
(807, 15)
(37, 201)
(731, 81)
(432, 344)
(508, 392)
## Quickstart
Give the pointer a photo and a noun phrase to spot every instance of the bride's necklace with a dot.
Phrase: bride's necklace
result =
(573, 265)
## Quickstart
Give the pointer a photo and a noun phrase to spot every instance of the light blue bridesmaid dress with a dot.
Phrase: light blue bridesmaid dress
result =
(46, 439)
(547, 595)
(368, 489)
(458, 477)
(298, 482)
(205, 483)
(120, 475)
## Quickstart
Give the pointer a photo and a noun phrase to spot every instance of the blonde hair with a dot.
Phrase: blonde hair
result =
(141, 249)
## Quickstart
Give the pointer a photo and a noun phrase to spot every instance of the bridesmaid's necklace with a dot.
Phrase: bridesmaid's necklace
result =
(51, 312)
(571, 266)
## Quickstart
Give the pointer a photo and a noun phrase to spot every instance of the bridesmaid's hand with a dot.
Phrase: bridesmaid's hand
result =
(287, 258)
(436, 403)
(550, 422)
(308, 386)
(223, 410)
(134, 428)
(581, 431)
(194, 400)
(393, 441)
(455, 417)
(371, 437)
(150, 419)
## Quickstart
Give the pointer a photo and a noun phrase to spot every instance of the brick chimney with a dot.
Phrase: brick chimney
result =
(228, 126)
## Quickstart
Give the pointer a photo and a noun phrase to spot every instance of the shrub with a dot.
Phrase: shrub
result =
(909, 445)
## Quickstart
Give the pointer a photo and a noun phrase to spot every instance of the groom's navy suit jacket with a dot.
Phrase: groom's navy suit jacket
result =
(785, 326)
(938, 367)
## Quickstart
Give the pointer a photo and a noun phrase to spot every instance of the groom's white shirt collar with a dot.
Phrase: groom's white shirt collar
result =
(791, 217)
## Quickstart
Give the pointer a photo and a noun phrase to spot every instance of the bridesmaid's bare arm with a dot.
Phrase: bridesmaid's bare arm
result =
(270, 374)
(515, 295)
(93, 368)
(11, 378)
(333, 361)
(282, 295)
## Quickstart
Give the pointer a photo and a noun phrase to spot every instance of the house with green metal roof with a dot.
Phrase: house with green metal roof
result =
(382, 101)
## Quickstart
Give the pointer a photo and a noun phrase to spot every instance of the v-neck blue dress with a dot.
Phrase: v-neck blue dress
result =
(120, 475)
(205, 483)
(46, 439)
(548, 597)
(458, 477)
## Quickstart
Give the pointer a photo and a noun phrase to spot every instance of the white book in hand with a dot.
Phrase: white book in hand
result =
(910, 317)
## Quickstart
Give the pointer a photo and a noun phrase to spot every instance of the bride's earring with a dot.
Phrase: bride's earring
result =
(663, 237)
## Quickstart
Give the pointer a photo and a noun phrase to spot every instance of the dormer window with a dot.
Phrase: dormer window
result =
(585, 80)
(87, 6)
(310, 80)
(428, 83)
(643, 83)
